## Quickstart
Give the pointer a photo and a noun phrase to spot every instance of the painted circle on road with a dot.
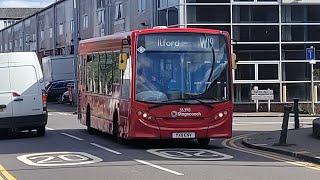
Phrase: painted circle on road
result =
(59, 159)
(190, 154)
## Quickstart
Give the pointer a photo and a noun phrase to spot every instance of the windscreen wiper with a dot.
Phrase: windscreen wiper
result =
(169, 102)
(199, 100)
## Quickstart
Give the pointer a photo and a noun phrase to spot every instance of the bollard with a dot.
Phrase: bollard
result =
(284, 129)
(296, 113)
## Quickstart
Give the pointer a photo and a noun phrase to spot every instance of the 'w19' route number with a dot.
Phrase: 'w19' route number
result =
(58, 159)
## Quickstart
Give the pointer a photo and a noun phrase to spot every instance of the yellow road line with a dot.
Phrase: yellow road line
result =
(6, 173)
(1, 178)
(231, 144)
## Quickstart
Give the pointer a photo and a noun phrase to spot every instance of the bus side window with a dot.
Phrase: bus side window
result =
(109, 74)
(88, 75)
(96, 73)
(102, 73)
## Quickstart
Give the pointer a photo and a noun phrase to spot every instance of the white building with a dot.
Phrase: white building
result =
(10, 16)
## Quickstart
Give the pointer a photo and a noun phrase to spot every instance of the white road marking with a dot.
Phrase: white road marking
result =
(159, 167)
(104, 148)
(190, 154)
(74, 137)
(58, 159)
(50, 129)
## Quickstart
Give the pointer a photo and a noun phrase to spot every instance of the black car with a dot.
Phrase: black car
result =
(55, 89)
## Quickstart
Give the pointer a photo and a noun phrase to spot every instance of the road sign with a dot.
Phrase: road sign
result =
(311, 54)
(58, 159)
(262, 92)
(190, 154)
(262, 97)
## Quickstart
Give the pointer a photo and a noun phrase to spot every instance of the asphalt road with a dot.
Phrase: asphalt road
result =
(69, 152)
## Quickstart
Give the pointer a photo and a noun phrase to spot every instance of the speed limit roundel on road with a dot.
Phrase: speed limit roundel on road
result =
(58, 159)
(190, 154)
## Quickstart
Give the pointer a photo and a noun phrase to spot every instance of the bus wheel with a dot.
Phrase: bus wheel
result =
(203, 142)
(88, 122)
(115, 132)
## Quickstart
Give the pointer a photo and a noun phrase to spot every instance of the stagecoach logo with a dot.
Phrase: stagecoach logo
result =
(185, 112)
(141, 49)
(174, 114)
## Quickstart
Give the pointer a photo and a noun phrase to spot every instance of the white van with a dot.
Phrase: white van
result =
(22, 96)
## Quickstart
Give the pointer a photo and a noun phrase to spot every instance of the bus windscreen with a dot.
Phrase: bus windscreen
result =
(176, 67)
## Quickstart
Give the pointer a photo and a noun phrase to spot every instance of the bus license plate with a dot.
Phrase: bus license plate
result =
(184, 135)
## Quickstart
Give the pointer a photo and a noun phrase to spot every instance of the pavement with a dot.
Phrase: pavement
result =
(268, 114)
(300, 144)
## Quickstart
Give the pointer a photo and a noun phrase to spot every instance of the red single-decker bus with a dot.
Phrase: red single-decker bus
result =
(160, 83)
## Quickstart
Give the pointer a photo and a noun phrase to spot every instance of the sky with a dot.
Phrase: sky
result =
(25, 3)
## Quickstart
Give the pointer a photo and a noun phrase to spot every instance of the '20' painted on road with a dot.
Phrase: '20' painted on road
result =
(58, 159)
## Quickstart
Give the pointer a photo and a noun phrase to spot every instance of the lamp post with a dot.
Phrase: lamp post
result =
(75, 43)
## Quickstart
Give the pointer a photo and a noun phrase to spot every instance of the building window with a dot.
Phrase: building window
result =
(10, 45)
(102, 32)
(298, 90)
(250, 14)
(296, 71)
(100, 16)
(257, 52)
(15, 43)
(72, 26)
(34, 37)
(85, 22)
(168, 17)
(61, 29)
(119, 11)
(5, 24)
(100, 4)
(141, 6)
(268, 72)
(42, 35)
(50, 33)
(27, 38)
(1, 48)
(245, 72)
(254, 33)
(21, 42)
(6, 47)
(199, 14)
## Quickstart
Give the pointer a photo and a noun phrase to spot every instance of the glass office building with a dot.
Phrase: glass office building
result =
(270, 38)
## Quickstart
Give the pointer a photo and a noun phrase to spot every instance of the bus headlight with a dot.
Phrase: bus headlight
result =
(220, 115)
(147, 117)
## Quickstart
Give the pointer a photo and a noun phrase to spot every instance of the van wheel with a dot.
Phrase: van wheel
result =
(41, 131)
(203, 142)
(90, 130)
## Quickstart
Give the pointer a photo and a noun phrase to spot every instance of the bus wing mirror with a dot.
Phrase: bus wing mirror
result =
(123, 61)
(234, 61)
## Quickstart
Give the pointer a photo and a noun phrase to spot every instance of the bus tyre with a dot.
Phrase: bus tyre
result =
(88, 122)
(41, 131)
(203, 142)
(115, 132)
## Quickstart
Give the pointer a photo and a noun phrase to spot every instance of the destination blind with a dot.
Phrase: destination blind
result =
(182, 42)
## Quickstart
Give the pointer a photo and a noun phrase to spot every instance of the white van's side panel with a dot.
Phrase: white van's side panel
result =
(5, 89)
(26, 79)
